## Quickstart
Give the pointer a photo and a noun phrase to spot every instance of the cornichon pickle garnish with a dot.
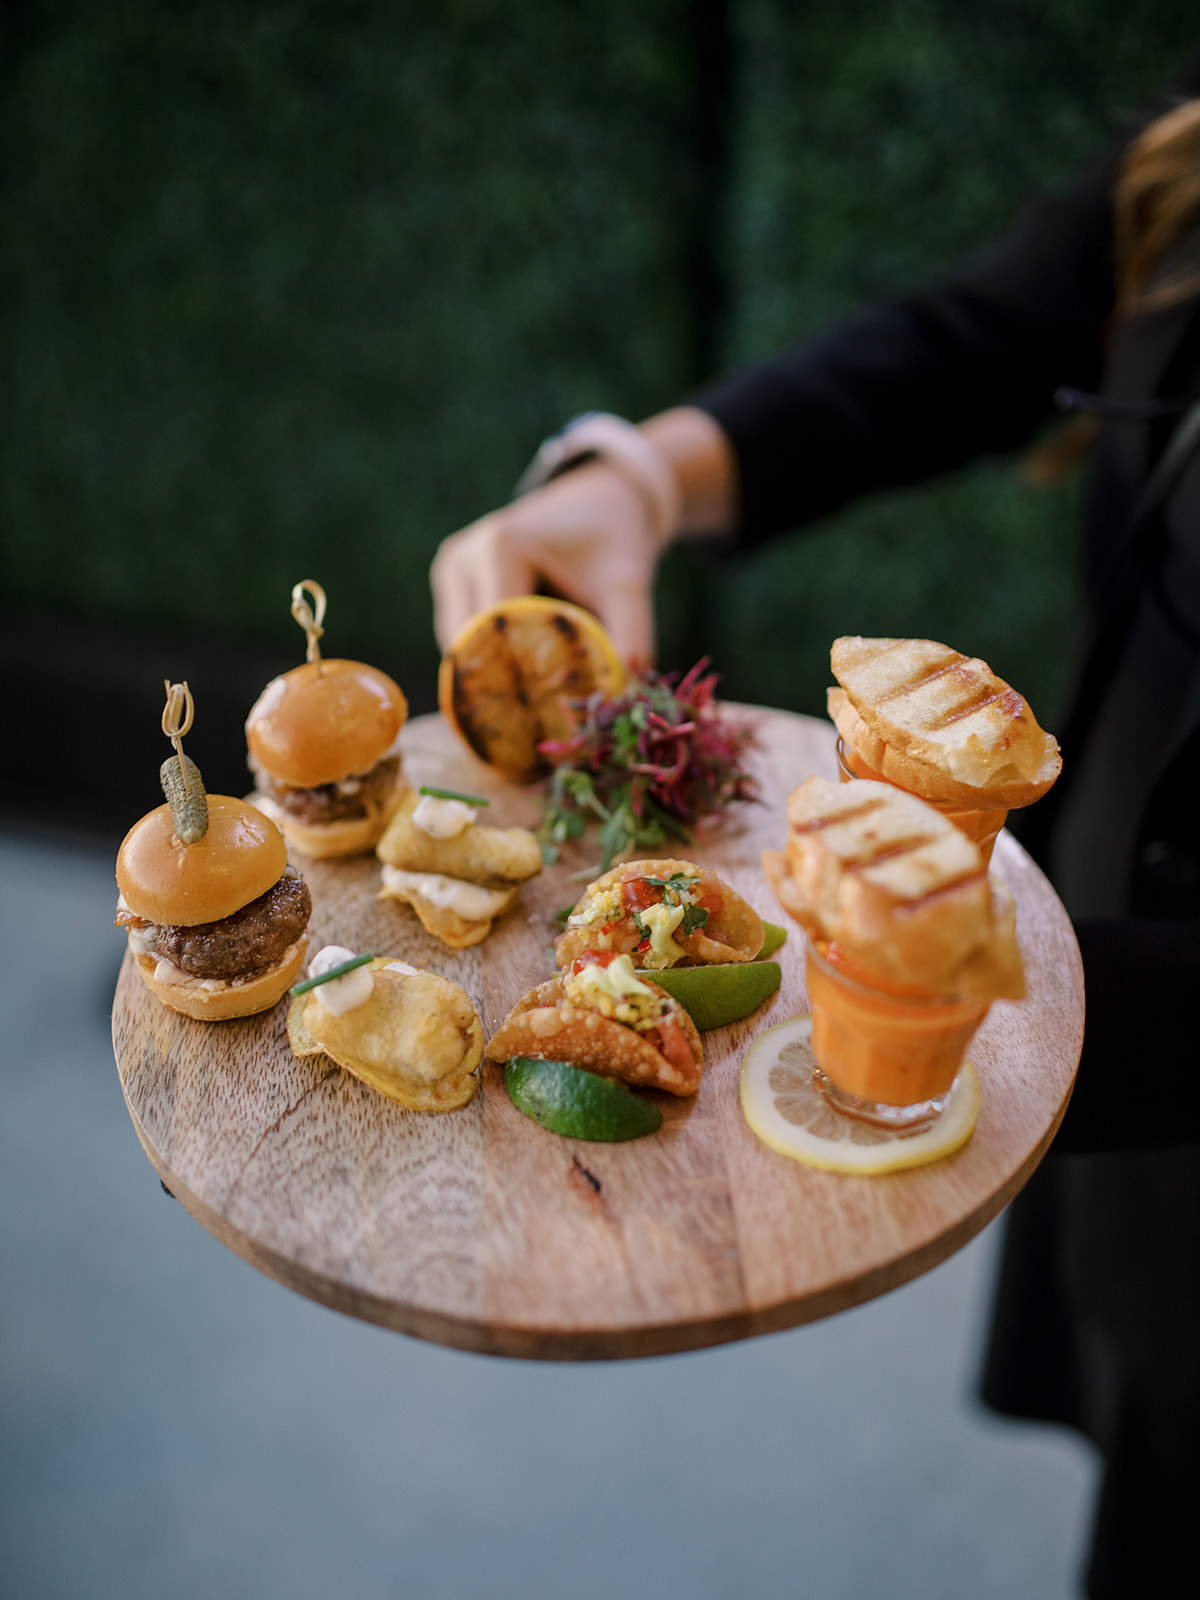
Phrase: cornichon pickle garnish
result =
(180, 776)
(187, 800)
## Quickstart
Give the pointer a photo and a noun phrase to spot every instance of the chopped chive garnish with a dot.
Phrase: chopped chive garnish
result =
(334, 972)
(453, 794)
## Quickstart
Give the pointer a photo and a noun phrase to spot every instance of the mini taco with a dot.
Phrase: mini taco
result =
(663, 913)
(412, 1035)
(603, 1016)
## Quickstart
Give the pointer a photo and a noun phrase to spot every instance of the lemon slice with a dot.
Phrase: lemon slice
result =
(502, 678)
(786, 1111)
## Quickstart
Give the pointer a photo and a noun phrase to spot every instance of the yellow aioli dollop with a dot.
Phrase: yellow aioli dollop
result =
(617, 979)
(615, 991)
(661, 921)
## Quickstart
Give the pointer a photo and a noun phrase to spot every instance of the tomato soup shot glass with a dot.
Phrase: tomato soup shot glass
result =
(885, 1056)
(982, 826)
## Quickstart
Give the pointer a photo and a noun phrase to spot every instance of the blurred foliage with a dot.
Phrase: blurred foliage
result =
(294, 289)
(876, 141)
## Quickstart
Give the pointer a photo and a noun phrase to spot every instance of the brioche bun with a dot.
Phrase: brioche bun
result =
(165, 881)
(217, 1001)
(324, 721)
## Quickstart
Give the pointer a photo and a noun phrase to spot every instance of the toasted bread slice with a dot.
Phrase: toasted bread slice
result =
(930, 782)
(899, 888)
(925, 706)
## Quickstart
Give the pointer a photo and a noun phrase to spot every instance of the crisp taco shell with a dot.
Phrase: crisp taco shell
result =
(735, 935)
(548, 1027)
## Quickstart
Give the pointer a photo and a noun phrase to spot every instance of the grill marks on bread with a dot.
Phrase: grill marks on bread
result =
(899, 888)
(933, 704)
(880, 836)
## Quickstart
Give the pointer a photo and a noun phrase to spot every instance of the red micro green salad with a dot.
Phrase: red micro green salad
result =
(648, 764)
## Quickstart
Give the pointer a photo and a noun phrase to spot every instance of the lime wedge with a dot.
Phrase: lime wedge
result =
(578, 1104)
(773, 937)
(715, 996)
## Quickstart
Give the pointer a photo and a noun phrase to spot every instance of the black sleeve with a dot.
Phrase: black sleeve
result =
(1138, 1083)
(916, 387)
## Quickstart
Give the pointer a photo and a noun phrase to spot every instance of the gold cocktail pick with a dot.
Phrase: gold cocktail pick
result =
(309, 617)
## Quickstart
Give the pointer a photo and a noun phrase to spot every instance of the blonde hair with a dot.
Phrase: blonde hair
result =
(1157, 197)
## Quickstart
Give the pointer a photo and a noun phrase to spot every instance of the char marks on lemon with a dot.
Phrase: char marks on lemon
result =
(504, 676)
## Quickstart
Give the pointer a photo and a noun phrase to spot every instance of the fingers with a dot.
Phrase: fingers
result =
(627, 616)
(587, 534)
(474, 569)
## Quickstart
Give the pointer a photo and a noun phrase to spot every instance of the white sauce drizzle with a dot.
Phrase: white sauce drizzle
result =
(468, 900)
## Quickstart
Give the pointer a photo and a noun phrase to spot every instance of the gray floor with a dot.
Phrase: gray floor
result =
(174, 1425)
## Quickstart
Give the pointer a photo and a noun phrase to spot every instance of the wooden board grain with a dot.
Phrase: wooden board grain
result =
(481, 1230)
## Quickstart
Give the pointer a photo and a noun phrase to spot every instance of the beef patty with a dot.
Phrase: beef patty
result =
(354, 796)
(246, 943)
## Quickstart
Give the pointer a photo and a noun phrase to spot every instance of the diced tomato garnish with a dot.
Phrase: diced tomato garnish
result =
(713, 903)
(638, 893)
(670, 1041)
(593, 958)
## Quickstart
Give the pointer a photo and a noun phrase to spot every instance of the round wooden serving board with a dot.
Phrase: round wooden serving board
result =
(479, 1229)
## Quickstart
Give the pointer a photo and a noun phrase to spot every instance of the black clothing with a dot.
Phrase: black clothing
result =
(1097, 1323)
(971, 366)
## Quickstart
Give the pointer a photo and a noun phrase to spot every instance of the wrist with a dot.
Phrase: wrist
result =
(706, 469)
(628, 451)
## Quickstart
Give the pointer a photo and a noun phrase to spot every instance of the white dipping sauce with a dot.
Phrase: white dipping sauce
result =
(442, 819)
(468, 900)
(342, 994)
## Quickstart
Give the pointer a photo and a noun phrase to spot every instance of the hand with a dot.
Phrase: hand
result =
(590, 537)
(586, 534)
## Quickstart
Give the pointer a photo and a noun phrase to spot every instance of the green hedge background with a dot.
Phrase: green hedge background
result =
(294, 289)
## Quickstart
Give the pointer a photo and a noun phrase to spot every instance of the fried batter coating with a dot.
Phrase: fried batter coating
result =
(547, 1026)
(417, 1039)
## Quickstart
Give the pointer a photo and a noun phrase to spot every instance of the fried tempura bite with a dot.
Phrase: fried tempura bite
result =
(412, 1035)
(458, 874)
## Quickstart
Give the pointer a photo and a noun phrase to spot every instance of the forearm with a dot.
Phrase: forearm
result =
(700, 454)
